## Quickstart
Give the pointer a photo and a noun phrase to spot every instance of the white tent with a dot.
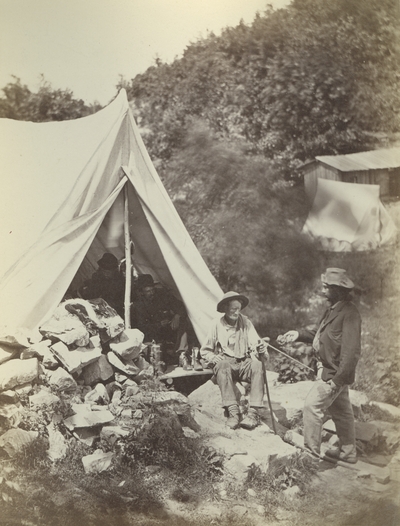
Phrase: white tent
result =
(62, 205)
(348, 216)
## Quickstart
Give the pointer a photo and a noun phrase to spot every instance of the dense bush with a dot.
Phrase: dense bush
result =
(314, 78)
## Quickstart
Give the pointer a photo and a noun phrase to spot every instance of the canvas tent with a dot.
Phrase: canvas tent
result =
(62, 205)
(348, 217)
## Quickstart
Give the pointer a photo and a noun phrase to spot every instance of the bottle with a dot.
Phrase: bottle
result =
(196, 359)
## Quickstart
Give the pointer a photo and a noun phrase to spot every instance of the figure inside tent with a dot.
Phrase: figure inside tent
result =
(107, 282)
(162, 318)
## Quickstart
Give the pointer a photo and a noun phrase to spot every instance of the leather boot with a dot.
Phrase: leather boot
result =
(233, 418)
(347, 453)
(251, 420)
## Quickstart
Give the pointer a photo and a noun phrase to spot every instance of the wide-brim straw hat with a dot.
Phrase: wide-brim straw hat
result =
(338, 277)
(230, 296)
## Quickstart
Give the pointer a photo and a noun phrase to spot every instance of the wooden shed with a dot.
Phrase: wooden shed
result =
(381, 167)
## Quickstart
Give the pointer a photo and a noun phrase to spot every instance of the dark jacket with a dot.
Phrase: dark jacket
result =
(340, 342)
(106, 284)
(153, 317)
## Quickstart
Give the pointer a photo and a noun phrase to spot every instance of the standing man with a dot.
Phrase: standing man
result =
(336, 341)
(227, 350)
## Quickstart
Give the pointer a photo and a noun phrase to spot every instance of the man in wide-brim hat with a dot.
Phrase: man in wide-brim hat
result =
(233, 350)
(336, 341)
(107, 283)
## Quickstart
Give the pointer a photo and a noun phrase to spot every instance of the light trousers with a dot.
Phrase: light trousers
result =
(322, 398)
(229, 370)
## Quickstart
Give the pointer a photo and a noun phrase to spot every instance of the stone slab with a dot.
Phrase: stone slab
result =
(97, 462)
(18, 372)
(14, 440)
(89, 419)
(43, 398)
(62, 380)
(129, 344)
(98, 371)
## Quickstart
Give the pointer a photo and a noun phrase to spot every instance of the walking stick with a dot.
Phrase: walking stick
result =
(268, 397)
(290, 357)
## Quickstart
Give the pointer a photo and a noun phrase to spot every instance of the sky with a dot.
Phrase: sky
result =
(85, 45)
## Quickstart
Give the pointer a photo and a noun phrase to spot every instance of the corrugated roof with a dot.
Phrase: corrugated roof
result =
(372, 160)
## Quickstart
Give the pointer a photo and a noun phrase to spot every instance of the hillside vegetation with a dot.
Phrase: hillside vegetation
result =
(229, 123)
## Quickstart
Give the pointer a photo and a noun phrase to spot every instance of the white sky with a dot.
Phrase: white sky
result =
(84, 45)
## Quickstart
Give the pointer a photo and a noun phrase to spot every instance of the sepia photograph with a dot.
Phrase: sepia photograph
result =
(200, 265)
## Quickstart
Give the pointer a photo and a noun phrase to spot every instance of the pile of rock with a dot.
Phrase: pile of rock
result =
(84, 353)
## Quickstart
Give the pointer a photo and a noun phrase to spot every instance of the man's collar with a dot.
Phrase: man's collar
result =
(226, 322)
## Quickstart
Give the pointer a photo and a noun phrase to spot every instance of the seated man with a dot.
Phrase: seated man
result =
(106, 283)
(157, 313)
(228, 350)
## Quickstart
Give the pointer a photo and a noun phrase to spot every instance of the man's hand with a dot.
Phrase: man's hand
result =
(288, 337)
(262, 347)
(332, 384)
(216, 359)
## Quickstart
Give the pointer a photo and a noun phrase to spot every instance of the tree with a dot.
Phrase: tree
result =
(315, 78)
(235, 208)
(47, 104)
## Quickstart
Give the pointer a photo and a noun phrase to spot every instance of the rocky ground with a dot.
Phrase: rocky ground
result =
(89, 435)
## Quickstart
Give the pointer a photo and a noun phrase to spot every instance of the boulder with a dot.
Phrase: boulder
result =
(65, 327)
(129, 344)
(359, 401)
(89, 419)
(7, 353)
(390, 433)
(86, 435)
(43, 398)
(74, 361)
(62, 380)
(388, 409)
(18, 372)
(107, 318)
(11, 415)
(120, 378)
(112, 433)
(127, 369)
(142, 363)
(207, 398)
(42, 350)
(368, 432)
(70, 360)
(8, 397)
(132, 390)
(23, 390)
(15, 440)
(290, 398)
(394, 467)
(239, 466)
(12, 343)
(97, 462)
(97, 371)
(98, 395)
(57, 444)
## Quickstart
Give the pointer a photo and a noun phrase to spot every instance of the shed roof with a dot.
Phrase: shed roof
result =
(372, 160)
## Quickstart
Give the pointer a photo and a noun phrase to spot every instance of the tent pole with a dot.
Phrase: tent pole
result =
(128, 262)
